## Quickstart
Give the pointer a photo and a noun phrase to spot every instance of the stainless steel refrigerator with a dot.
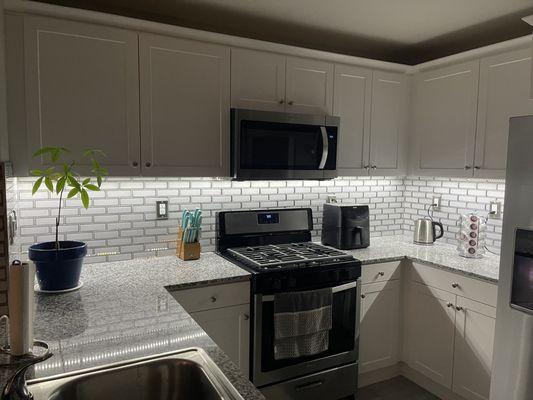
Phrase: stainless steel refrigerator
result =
(512, 373)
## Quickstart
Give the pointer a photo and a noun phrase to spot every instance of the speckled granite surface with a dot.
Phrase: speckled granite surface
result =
(441, 255)
(123, 311)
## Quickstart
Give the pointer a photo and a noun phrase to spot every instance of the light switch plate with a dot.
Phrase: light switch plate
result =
(436, 203)
(495, 209)
(161, 209)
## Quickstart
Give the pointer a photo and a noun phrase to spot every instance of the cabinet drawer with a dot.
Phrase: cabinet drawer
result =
(458, 284)
(210, 297)
(381, 272)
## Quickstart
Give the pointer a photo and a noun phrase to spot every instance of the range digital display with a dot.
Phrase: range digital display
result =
(268, 218)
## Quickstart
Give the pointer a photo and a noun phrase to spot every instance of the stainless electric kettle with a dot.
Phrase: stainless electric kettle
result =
(425, 232)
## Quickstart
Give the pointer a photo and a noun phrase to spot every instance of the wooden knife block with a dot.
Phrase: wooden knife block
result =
(187, 251)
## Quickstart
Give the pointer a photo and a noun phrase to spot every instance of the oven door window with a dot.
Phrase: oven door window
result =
(341, 336)
(522, 288)
(273, 146)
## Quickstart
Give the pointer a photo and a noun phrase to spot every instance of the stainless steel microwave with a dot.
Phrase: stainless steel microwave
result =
(275, 145)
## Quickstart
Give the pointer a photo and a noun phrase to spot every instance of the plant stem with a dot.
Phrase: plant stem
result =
(58, 218)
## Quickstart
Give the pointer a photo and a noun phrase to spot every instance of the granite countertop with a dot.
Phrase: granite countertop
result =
(124, 311)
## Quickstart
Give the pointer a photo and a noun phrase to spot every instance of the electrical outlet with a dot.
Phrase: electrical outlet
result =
(161, 209)
(495, 209)
(436, 203)
(331, 198)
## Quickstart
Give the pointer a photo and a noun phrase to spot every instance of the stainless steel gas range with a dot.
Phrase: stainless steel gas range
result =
(275, 246)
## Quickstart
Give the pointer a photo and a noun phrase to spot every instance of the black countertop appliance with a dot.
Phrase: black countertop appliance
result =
(345, 226)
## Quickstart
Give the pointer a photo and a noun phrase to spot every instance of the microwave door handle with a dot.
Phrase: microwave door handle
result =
(336, 289)
(325, 144)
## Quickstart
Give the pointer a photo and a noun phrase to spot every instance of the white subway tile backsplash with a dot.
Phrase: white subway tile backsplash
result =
(121, 222)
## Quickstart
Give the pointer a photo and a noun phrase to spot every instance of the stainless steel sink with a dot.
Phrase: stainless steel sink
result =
(187, 374)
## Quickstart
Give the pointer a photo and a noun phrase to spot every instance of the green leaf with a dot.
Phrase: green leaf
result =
(86, 181)
(49, 184)
(55, 155)
(85, 198)
(92, 152)
(72, 193)
(99, 180)
(36, 172)
(92, 187)
(73, 182)
(60, 184)
(44, 150)
(37, 185)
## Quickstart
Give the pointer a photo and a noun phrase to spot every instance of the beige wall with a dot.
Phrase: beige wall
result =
(3, 112)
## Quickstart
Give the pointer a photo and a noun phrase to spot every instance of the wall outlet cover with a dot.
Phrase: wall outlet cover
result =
(436, 203)
(161, 209)
(495, 209)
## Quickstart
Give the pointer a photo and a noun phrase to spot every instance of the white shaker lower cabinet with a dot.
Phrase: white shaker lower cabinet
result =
(379, 331)
(475, 326)
(185, 107)
(223, 311)
(81, 89)
(431, 330)
(229, 327)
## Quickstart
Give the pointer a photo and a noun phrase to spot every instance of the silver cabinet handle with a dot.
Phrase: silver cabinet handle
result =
(459, 308)
(455, 285)
(281, 101)
(213, 299)
(467, 167)
(381, 273)
(449, 305)
(325, 149)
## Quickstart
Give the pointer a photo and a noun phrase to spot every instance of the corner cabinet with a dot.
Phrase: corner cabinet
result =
(81, 91)
(444, 120)
(185, 106)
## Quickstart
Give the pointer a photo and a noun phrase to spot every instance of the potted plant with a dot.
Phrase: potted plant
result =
(58, 263)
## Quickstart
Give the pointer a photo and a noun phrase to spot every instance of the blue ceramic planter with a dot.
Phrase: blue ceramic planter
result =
(58, 269)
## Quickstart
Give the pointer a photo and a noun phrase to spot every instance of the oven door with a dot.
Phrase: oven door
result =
(268, 145)
(343, 339)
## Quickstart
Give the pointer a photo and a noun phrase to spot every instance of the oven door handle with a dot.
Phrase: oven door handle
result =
(325, 148)
(336, 289)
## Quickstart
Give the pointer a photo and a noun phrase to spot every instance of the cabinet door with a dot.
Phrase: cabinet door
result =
(379, 331)
(474, 342)
(352, 101)
(257, 80)
(185, 106)
(309, 86)
(503, 93)
(82, 91)
(431, 333)
(229, 327)
(444, 120)
(388, 123)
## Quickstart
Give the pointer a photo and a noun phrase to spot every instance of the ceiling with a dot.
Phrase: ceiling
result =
(405, 31)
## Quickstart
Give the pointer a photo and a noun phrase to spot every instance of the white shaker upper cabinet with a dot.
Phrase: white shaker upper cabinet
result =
(185, 106)
(352, 102)
(82, 91)
(503, 93)
(309, 86)
(444, 120)
(257, 80)
(388, 123)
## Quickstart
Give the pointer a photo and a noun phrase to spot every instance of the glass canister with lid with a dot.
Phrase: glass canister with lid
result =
(471, 236)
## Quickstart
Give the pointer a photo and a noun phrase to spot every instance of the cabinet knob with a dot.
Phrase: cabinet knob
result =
(455, 285)
(449, 305)
(363, 296)
(477, 167)
(367, 167)
(148, 164)
(381, 273)
(135, 164)
(374, 166)
(467, 167)
(246, 317)
(213, 299)
(290, 103)
(459, 308)
(281, 101)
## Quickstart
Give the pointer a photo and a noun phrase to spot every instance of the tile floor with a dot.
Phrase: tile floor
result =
(397, 388)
